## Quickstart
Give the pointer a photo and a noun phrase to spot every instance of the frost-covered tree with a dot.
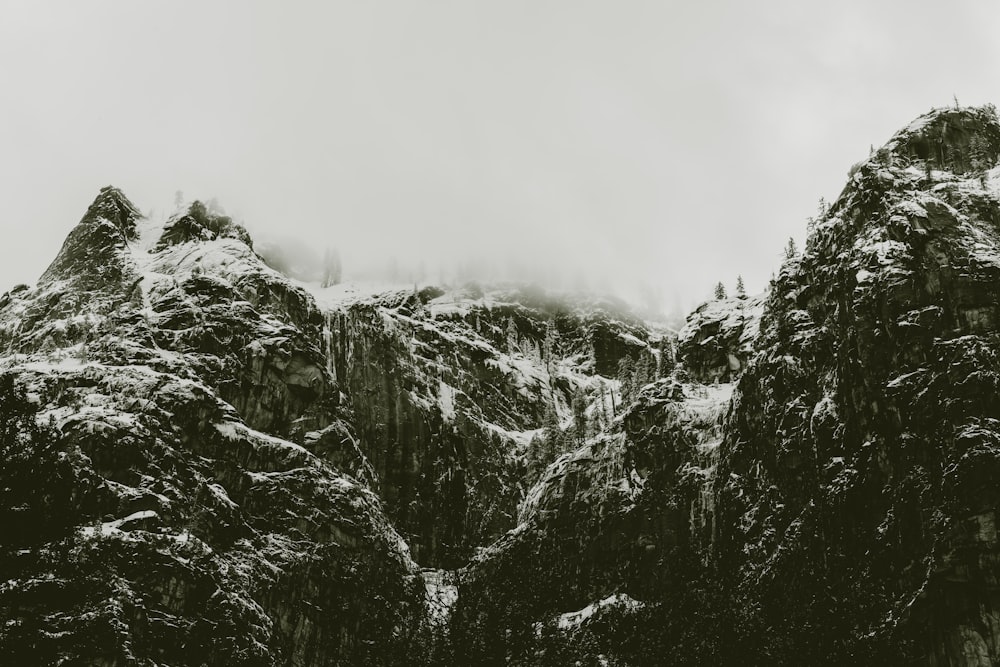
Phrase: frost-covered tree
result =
(791, 250)
(537, 457)
(512, 336)
(668, 357)
(741, 290)
(605, 410)
(720, 290)
(332, 267)
(645, 370)
(550, 346)
(979, 153)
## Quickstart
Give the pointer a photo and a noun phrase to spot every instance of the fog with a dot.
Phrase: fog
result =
(648, 149)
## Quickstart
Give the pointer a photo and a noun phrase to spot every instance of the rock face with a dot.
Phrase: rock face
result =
(612, 549)
(447, 391)
(207, 463)
(716, 342)
(211, 467)
(162, 516)
(861, 453)
(840, 508)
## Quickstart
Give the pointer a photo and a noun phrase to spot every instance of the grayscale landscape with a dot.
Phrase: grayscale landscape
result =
(534, 334)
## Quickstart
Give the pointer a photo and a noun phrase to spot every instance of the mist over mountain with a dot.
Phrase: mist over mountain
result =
(480, 334)
(222, 451)
(635, 147)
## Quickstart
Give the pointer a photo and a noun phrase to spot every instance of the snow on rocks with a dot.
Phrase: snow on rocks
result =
(574, 619)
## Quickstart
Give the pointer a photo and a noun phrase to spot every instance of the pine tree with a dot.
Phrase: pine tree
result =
(791, 250)
(536, 456)
(551, 434)
(667, 357)
(978, 153)
(550, 346)
(720, 291)
(644, 373)
(331, 267)
(511, 336)
(606, 411)
(741, 291)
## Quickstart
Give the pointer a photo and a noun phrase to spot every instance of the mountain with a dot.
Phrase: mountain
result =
(164, 516)
(835, 504)
(207, 466)
(210, 462)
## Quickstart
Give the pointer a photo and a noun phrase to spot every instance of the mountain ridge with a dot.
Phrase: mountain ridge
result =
(244, 469)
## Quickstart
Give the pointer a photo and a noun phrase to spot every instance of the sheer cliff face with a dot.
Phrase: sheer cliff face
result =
(611, 555)
(162, 516)
(859, 481)
(840, 508)
(447, 391)
(222, 464)
(212, 463)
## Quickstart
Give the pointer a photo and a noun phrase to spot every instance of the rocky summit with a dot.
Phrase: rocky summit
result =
(208, 462)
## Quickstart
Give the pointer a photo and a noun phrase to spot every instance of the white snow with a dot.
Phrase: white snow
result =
(446, 400)
(348, 293)
(110, 528)
(232, 430)
(441, 594)
(573, 619)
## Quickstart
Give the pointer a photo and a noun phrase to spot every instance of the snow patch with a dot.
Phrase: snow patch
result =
(574, 619)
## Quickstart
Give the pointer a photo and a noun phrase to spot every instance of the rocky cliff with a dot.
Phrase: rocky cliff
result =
(155, 511)
(858, 484)
(840, 507)
(448, 391)
(207, 462)
(234, 459)
(617, 534)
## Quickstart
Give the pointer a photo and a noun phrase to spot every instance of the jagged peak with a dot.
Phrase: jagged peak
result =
(112, 205)
(957, 139)
(108, 225)
(944, 145)
(201, 223)
(718, 336)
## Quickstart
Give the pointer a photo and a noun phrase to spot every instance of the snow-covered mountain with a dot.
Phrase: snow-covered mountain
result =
(251, 473)
(832, 499)
(209, 462)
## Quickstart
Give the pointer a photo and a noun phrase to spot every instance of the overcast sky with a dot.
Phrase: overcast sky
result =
(666, 144)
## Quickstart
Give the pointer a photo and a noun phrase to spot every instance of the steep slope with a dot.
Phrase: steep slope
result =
(206, 462)
(859, 481)
(841, 507)
(230, 461)
(612, 549)
(158, 516)
(449, 390)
